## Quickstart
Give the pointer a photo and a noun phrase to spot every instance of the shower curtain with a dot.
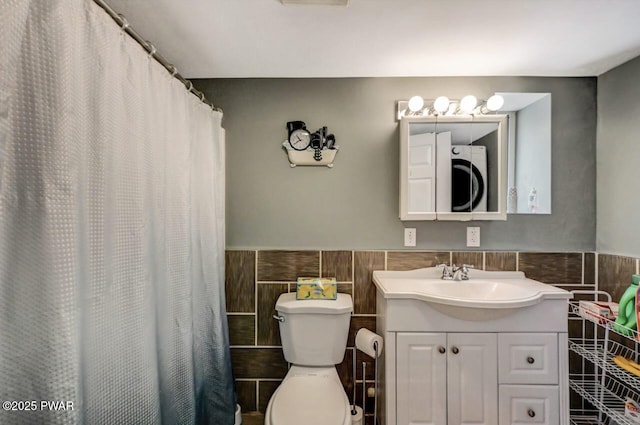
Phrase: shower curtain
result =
(111, 229)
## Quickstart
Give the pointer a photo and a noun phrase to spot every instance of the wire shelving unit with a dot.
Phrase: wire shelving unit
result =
(602, 386)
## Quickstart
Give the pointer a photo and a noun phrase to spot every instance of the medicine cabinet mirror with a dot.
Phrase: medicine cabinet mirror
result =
(453, 167)
(529, 152)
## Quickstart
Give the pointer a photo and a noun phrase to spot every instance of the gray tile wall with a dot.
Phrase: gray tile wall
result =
(255, 279)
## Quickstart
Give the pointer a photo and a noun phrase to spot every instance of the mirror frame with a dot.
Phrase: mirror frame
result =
(501, 214)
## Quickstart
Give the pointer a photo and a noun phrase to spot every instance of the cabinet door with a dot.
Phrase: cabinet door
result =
(421, 379)
(472, 381)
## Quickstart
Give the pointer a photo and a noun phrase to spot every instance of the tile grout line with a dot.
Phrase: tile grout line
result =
(257, 394)
(353, 282)
(255, 302)
(596, 271)
(583, 262)
(517, 261)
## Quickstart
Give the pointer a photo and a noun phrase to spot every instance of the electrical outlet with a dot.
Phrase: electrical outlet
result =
(473, 237)
(409, 237)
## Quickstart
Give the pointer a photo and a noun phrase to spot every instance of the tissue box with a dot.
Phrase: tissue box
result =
(317, 288)
(600, 310)
(632, 410)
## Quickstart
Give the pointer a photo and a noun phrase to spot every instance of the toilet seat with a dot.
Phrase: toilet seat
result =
(309, 400)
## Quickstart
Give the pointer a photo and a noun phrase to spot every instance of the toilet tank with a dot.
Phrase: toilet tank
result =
(314, 332)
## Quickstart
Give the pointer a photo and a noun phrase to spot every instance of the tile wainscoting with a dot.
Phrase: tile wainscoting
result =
(255, 279)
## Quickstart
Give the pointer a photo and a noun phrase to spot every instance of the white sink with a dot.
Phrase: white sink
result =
(483, 290)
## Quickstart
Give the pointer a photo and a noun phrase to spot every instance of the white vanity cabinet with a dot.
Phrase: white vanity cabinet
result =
(451, 362)
(444, 377)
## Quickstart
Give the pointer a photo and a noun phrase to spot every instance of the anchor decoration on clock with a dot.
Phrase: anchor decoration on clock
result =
(306, 148)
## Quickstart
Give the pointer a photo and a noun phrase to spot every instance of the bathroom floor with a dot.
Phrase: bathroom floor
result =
(252, 418)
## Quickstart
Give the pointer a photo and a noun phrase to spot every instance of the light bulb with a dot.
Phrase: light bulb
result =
(441, 104)
(468, 104)
(416, 103)
(495, 102)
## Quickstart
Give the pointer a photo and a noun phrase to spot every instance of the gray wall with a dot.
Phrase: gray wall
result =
(618, 167)
(355, 204)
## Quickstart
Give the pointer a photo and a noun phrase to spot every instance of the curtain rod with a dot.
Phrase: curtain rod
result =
(124, 24)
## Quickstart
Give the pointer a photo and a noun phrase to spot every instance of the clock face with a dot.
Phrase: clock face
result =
(300, 139)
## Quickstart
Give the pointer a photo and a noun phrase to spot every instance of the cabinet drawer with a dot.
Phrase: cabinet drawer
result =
(528, 358)
(529, 404)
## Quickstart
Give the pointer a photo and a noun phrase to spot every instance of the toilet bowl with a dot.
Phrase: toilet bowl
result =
(309, 396)
(314, 339)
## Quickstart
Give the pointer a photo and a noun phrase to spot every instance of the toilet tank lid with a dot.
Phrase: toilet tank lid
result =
(287, 303)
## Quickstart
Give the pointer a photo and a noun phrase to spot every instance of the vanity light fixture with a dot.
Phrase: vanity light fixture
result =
(441, 104)
(416, 103)
(494, 103)
(468, 105)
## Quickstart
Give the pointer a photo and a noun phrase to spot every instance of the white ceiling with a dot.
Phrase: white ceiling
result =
(387, 38)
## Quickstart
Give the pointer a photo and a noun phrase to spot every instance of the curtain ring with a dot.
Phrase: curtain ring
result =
(152, 49)
(174, 70)
(189, 85)
(125, 23)
(201, 96)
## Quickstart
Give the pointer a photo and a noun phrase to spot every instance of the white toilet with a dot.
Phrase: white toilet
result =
(314, 339)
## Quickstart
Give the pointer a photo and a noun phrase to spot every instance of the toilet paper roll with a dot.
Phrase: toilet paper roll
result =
(365, 340)
(357, 418)
(238, 420)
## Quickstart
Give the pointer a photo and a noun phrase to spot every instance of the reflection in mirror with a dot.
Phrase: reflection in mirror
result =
(529, 157)
(474, 164)
(422, 169)
(454, 166)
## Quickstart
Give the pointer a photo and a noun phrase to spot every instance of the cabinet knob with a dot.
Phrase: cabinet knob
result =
(442, 350)
(455, 350)
(531, 360)
(531, 413)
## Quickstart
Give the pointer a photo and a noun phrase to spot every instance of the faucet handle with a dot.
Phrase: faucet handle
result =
(446, 271)
(465, 271)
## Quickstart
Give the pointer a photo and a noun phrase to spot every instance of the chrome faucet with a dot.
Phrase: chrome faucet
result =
(461, 273)
(447, 272)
